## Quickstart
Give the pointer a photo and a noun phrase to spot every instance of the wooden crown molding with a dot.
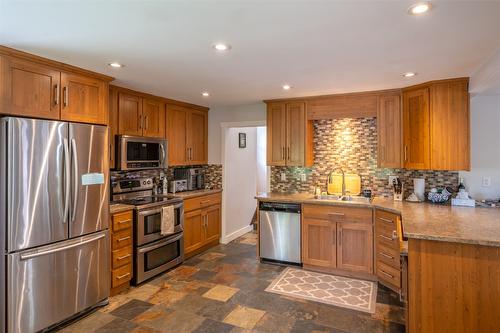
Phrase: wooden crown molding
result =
(7, 51)
(429, 83)
(163, 99)
(330, 96)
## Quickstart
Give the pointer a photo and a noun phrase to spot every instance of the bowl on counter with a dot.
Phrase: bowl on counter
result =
(439, 196)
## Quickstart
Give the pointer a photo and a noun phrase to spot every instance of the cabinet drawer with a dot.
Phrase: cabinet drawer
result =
(388, 255)
(385, 218)
(121, 275)
(122, 239)
(338, 213)
(389, 274)
(201, 202)
(122, 221)
(122, 257)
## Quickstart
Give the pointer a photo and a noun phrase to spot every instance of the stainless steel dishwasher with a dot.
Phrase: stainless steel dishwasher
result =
(279, 232)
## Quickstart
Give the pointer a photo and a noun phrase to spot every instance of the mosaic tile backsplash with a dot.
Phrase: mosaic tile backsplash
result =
(351, 143)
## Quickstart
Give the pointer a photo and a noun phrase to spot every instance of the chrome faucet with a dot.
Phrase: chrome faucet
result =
(330, 175)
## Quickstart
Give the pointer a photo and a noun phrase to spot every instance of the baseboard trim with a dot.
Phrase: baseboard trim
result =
(232, 236)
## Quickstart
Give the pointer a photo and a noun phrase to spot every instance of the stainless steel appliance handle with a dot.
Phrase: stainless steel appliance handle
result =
(156, 246)
(62, 248)
(67, 176)
(162, 160)
(75, 178)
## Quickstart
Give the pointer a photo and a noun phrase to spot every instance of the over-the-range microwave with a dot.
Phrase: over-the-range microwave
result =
(138, 153)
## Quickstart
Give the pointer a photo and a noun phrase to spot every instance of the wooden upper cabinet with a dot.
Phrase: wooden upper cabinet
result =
(129, 114)
(113, 125)
(296, 134)
(389, 131)
(197, 136)
(177, 135)
(28, 89)
(153, 113)
(276, 134)
(416, 129)
(355, 246)
(450, 125)
(84, 99)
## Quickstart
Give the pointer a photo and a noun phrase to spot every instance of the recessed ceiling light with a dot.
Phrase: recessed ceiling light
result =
(409, 74)
(205, 94)
(222, 47)
(419, 8)
(286, 87)
(115, 65)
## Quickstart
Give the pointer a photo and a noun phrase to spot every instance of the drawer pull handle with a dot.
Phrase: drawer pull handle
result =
(122, 276)
(386, 238)
(386, 255)
(336, 214)
(387, 274)
(125, 221)
(204, 202)
(123, 257)
(123, 239)
(385, 220)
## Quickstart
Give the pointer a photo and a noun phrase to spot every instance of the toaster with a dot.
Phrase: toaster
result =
(178, 185)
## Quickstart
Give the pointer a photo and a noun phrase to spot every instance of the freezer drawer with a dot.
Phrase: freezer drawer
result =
(51, 283)
(280, 236)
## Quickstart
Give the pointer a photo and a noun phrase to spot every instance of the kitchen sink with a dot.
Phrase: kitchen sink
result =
(353, 198)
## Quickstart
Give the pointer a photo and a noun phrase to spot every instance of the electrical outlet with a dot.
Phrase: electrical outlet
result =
(303, 177)
(283, 177)
(486, 182)
(391, 179)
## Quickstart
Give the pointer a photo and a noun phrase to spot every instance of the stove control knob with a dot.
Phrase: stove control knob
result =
(143, 182)
(149, 182)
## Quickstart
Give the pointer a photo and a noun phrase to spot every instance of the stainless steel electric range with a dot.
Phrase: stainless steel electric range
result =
(153, 253)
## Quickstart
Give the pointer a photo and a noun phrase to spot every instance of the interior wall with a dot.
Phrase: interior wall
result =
(485, 147)
(240, 171)
(262, 168)
(218, 115)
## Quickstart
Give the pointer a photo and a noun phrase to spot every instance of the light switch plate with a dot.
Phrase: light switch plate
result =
(303, 177)
(486, 182)
(283, 177)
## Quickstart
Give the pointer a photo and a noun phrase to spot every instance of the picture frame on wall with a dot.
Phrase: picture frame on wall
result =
(242, 140)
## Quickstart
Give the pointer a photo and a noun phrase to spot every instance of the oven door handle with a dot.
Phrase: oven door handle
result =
(163, 243)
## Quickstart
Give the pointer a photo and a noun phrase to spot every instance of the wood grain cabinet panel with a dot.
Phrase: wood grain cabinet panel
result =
(296, 134)
(212, 223)
(197, 136)
(319, 243)
(193, 230)
(153, 113)
(389, 131)
(113, 125)
(276, 134)
(355, 246)
(129, 115)
(450, 126)
(416, 130)
(84, 99)
(28, 89)
(177, 135)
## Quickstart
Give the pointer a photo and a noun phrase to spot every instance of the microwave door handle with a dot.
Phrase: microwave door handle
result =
(163, 243)
(162, 160)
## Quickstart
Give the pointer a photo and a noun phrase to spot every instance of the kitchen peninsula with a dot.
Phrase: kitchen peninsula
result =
(453, 260)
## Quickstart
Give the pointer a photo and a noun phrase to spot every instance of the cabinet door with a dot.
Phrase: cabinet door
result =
(355, 246)
(85, 99)
(129, 115)
(450, 137)
(276, 134)
(295, 133)
(194, 234)
(153, 113)
(389, 129)
(177, 135)
(113, 125)
(318, 242)
(212, 223)
(197, 137)
(416, 129)
(28, 89)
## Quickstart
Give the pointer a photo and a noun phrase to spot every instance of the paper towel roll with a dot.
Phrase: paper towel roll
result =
(419, 187)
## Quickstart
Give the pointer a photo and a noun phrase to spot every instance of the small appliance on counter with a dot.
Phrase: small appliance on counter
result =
(178, 186)
(194, 177)
(462, 198)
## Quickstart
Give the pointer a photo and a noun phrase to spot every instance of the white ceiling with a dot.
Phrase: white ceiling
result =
(318, 47)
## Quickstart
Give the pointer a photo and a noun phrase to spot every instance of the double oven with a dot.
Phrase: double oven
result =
(154, 253)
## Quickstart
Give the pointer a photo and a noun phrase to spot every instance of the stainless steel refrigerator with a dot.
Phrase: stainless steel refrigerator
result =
(54, 239)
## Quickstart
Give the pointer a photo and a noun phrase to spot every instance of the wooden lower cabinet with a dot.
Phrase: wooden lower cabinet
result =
(121, 250)
(202, 218)
(337, 238)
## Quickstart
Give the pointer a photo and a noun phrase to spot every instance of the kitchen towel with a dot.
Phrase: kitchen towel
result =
(167, 220)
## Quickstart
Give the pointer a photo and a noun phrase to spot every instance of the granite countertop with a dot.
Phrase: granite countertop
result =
(423, 220)
(196, 193)
(118, 208)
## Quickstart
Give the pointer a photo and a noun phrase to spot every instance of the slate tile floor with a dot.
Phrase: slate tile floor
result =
(222, 290)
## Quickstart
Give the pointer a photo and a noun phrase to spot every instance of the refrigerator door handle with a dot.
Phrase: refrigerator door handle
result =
(61, 248)
(67, 176)
(75, 178)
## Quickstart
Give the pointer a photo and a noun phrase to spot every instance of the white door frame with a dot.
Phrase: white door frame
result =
(224, 127)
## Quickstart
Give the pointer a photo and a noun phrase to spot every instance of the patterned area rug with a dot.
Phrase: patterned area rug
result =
(341, 291)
